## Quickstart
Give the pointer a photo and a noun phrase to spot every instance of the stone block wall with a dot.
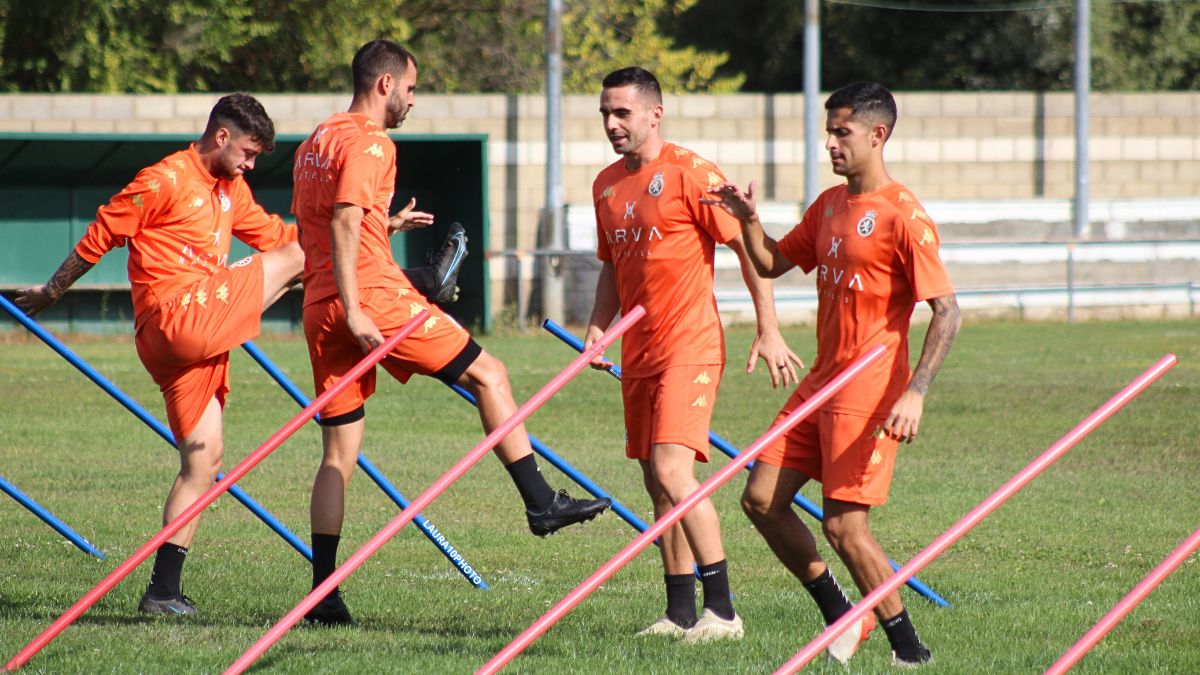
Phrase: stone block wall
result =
(947, 146)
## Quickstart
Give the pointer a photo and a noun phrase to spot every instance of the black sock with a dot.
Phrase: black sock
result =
(168, 565)
(423, 279)
(681, 599)
(536, 494)
(324, 550)
(830, 597)
(903, 636)
(715, 579)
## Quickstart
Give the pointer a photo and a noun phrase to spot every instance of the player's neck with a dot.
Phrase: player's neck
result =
(645, 153)
(206, 152)
(873, 178)
(374, 110)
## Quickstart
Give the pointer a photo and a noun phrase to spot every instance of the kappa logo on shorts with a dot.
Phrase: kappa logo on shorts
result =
(222, 293)
(701, 402)
(867, 225)
(702, 378)
(401, 292)
(202, 298)
(430, 323)
(876, 458)
(656, 185)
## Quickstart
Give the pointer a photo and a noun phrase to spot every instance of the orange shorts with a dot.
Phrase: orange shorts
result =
(334, 351)
(848, 454)
(185, 343)
(674, 406)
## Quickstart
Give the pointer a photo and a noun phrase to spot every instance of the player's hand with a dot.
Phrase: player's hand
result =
(905, 417)
(589, 339)
(363, 329)
(740, 205)
(782, 363)
(408, 219)
(35, 298)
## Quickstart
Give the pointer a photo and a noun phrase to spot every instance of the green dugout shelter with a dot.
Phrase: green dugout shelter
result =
(52, 184)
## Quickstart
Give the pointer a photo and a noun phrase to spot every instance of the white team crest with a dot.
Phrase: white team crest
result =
(656, 185)
(225, 203)
(867, 225)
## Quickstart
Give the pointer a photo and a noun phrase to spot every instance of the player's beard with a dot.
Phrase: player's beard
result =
(397, 110)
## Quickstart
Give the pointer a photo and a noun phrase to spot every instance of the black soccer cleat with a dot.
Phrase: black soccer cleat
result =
(563, 511)
(447, 263)
(177, 605)
(331, 612)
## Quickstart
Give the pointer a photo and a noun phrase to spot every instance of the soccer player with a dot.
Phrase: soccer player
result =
(875, 251)
(355, 294)
(656, 241)
(190, 306)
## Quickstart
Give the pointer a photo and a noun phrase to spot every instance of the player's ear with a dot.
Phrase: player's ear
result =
(221, 137)
(879, 134)
(656, 115)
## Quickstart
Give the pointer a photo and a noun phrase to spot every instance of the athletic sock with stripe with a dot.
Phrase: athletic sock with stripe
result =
(830, 597)
(906, 646)
(715, 579)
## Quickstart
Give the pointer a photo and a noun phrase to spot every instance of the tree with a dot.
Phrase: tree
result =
(1146, 47)
(1135, 46)
(146, 46)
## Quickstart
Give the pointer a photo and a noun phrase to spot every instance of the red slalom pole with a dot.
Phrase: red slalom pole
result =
(673, 516)
(234, 475)
(980, 512)
(432, 492)
(1126, 605)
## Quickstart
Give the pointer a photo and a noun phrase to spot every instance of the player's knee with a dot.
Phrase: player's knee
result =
(292, 256)
(839, 533)
(757, 505)
(489, 373)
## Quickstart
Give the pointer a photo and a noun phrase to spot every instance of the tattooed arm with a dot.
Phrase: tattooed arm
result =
(905, 416)
(36, 298)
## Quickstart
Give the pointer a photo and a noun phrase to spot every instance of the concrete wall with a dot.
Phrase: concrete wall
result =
(947, 146)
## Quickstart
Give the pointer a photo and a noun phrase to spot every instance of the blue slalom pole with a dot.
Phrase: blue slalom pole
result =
(48, 518)
(430, 531)
(565, 467)
(149, 420)
(727, 448)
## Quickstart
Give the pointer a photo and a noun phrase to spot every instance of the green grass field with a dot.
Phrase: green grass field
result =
(1025, 584)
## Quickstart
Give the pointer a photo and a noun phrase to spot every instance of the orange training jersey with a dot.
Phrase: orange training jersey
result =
(347, 160)
(177, 220)
(660, 238)
(876, 255)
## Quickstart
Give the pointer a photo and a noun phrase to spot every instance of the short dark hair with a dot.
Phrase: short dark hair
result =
(867, 101)
(376, 58)
(245, 114)
(642, 79)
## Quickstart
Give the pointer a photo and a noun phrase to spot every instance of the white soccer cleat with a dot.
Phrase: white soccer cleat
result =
(844, 645)
(711, 627)
(664, 627)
